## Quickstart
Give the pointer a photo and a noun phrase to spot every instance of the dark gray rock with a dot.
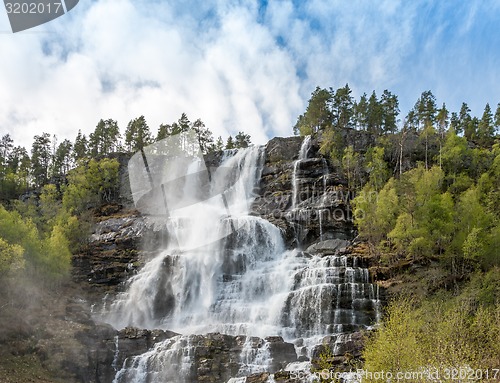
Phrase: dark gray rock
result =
(283, 149)
(328, 247)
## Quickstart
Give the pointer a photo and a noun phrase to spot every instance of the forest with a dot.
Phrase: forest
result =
(46, 193)
(426, 193)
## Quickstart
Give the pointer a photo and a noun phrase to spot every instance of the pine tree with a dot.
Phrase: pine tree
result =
(230, 143)
(219, 144)
(61, 162)
(425, 109)
(164, 131)
(464, 119)
(183, 123)
(137, 134)
(105, 138)
(390, 110)
(317, 116)
(40, 159)
(442, 120)
(242, 140)
(455, 123)
(342, 108)
(205, 137)
(6, 145)
(470, 130)
(80, 147)
(361, 113)
(374, 116)
(442, 123)
(497, 117)
(486, 128)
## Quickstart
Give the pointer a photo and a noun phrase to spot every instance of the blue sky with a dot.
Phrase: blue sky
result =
(240, 65)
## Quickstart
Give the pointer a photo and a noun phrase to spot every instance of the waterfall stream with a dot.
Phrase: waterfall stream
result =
(229, 272)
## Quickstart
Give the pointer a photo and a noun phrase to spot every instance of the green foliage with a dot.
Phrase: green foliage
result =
(332, 146)
(425, 109)
(242, 140)
(23, 245)
(11, 257)
(395, 345)
(219, 144)
(342, 107)
(106, 136)
(317, 115)
(61, 161)
(91, 184)
(376, 212)
(324, 365)
(417, 217)
(389, 105)
(56, 253)
(486, 128)
(441, 332)
(463, 120)
(40, 159)
(496, 122)
(351, 166)
(80, 147)
(230, 143)
(425, 220)
(137, 134)
(374, 116)
(205, 136)
(376, 168)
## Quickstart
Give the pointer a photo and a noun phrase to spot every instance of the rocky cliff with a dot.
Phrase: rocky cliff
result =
(305, 198)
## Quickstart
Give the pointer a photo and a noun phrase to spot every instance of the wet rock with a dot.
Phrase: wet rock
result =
(321, 208)
(257, 378)
(328, 247)
(338, 349)
(281, 351)
(283, 149)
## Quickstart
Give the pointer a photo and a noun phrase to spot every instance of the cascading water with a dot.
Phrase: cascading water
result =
(304, 149)
(241, 282)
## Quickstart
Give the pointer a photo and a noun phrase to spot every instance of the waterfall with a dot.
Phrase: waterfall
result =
(167, 362)
(304, 149)
(114, 364)
(254, 359)
(229, 272)
(214, 279)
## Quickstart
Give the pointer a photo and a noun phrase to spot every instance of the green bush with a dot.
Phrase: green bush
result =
(440, 333)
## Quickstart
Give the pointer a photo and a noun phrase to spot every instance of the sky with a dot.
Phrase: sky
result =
(240, 65)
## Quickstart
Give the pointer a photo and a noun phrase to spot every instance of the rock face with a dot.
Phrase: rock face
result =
(304, 196)
(329, 247)
(213, 357)
(115, 251)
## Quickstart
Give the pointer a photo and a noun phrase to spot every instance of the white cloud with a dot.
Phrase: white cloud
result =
(235, 66)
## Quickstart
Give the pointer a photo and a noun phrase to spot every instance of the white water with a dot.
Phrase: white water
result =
(304, 149)
(211, 279)
(254, 358)
(167, 362)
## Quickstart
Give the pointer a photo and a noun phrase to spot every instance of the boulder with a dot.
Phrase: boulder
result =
(328, 247)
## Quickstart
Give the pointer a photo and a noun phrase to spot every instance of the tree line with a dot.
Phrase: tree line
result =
(427, 191)
(337, 109)
(49, 161)
(427, 188)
